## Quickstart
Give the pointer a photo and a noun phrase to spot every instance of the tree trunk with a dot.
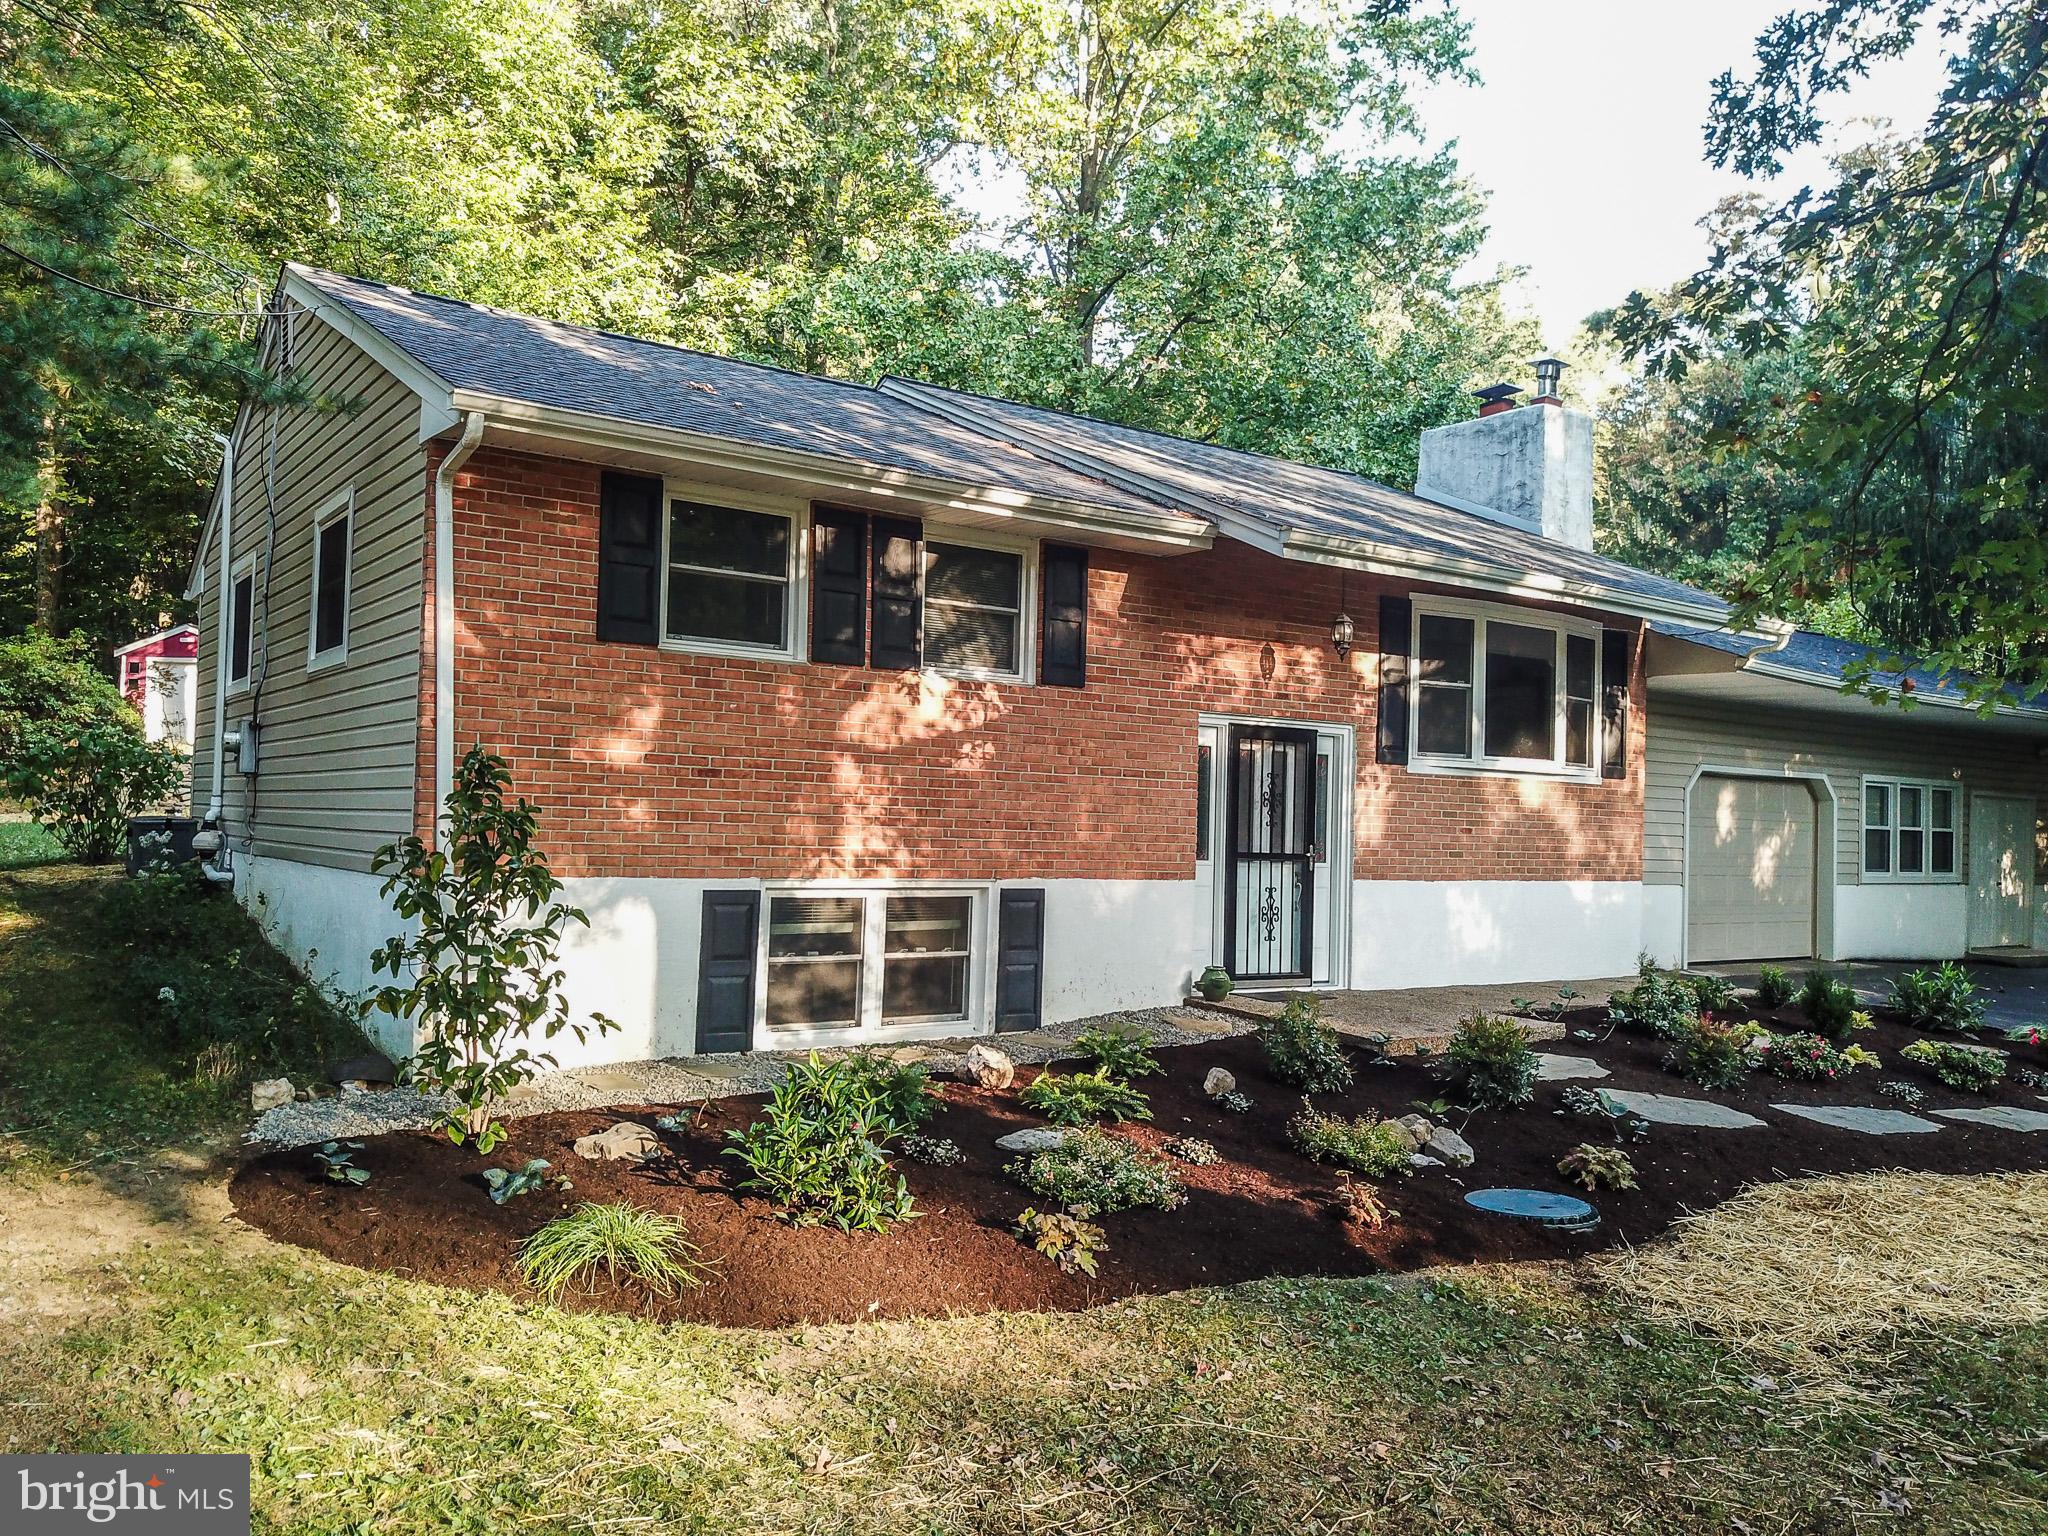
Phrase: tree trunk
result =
(52, 517)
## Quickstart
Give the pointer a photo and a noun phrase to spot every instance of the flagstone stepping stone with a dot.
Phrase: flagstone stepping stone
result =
(1670, 1109)
(2005, 1116)
(717, 1070)
(1558, 1069)
(1868, 1119)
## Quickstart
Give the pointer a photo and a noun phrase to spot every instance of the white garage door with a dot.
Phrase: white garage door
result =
(1749, 870)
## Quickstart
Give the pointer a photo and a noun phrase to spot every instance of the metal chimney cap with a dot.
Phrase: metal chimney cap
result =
(1496, 398)
(1549, 371)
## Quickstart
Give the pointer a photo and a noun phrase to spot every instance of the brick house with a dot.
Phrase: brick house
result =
(879, 713)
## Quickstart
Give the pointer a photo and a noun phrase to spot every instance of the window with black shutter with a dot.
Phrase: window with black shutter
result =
(629, 559)
(839, 586)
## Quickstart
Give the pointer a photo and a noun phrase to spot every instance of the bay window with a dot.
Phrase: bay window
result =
(1909, 830)
(1504, 689)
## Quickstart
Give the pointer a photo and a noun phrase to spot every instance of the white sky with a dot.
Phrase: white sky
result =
(1585, 134)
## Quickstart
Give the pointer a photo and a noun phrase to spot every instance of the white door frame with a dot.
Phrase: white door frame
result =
(1972, 939)
(1825, 852)
(1343, 790)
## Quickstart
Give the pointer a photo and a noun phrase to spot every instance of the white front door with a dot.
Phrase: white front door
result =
(2001, 871)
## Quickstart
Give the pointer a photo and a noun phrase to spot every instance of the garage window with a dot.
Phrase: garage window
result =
(1503, 689)
(1909, 830)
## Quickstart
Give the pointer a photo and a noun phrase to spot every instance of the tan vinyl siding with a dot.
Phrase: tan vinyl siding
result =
(337, 743)
(1685, 734)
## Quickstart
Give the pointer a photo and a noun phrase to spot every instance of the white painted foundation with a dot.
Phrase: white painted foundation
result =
(1433, 933)
(1664, 923)
(329, 922)
(1901, 922)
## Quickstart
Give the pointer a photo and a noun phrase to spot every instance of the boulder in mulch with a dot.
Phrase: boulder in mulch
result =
(1218, 1083)
(1448, 1145)
(989, 1067)
(1035, 1138)
(626, 1142)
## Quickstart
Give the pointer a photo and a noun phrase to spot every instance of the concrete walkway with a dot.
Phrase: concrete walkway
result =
(1411, 1016)
(2014, 999)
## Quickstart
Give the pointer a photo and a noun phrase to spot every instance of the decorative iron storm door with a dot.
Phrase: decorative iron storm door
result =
(1269, 890)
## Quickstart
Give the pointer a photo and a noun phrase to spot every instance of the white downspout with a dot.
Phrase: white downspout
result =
(444, 613)
(225, 597)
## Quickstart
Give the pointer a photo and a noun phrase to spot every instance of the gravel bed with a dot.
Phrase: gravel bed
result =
(671, 1081)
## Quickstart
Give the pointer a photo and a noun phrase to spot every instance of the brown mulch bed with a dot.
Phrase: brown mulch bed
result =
(1262, 1211)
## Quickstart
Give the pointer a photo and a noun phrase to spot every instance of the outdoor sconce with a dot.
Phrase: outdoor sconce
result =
(1340, 635)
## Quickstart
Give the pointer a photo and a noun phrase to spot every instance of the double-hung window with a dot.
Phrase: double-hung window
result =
(730, 574)
(860, 964)
(327, 637)
(974, 604)
(1909, 830)
(241, 601)
(1504, 689)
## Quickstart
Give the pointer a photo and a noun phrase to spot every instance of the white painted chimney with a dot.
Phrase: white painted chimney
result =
(1529, 467)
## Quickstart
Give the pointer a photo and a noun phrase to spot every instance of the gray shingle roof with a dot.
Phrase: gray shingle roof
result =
(1286, 495)
(1825, 661)
(575, 368)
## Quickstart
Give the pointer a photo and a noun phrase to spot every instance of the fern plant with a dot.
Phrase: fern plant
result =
(1084, 1096)
(1121, 1051)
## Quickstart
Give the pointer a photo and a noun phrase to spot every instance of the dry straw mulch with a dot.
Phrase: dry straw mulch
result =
(1825, 1264)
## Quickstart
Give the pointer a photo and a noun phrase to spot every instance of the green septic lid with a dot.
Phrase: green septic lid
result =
(1566, 1212)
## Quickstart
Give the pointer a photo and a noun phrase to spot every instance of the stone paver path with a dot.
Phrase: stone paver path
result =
(1669, 1109)
(1869, 1119)
(1559, 1069)
(2005, 1116)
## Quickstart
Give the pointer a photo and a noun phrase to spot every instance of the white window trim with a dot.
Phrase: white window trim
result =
(1477, 762)
(1027, 551)
(246, 566)
(340, 508)
(1923, 875)
(796, 616)
(870, 1030)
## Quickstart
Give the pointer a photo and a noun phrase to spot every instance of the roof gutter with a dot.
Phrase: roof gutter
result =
(444, 615)
(1175, 529)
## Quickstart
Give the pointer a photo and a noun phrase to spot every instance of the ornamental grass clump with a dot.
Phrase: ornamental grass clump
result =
(819, 1150)
(1302, 1050)
(1942, 998)
(622, 1240)
(1965, 1068)
(1084, 1096)
(1376, 1148)
(1490, 1064)
(1092, 1173)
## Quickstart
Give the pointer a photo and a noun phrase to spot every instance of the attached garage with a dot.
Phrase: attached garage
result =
(1751, 860)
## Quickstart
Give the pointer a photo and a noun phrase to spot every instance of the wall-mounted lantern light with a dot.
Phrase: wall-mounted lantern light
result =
(1340, 635)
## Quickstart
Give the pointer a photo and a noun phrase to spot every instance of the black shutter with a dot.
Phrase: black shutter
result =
(1616, 654)
(1396, 625)
(725, 971)
(1020, 959)
(898, 638)
(1063, 661)
(839, 586)
(629, 559)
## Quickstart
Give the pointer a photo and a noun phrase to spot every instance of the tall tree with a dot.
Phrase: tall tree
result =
(1918, 283)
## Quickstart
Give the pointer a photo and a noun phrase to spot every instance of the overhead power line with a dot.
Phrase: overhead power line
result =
(134, 298)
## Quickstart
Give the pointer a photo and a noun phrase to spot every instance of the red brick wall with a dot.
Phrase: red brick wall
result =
(648, 762)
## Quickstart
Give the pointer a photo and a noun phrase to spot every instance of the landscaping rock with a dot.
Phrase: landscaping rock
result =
(1036, 1138)
(1857, 1117)
(989, 1067)
(1560, 1069)
(1218, 1083)
(2006, 1117)
(1448, 1145)
(373, 1067)
(1424, 1160)
(270, 1093)
(1670, 1109)
(626, 1142)
(1418, 1127)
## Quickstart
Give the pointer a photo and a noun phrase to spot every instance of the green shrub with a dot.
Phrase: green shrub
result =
(1943, 998)
(1802, 1057)
(72, 749)
(1598, 1167)
(477, 973)
(1376, 1148)
(819, 1149)
(903, 1090)
(1710, 994)
(625, 1240)
(1121, 1051)
(1829, 1004)
(1965, 1068)
(1774, 988)
(1709, 1054)
(1302, 1050)
(1658, 1004)
(1084, 1096)
(337, 1160)
(1490, 1063)
(1092, 1173)
(1067, 1240)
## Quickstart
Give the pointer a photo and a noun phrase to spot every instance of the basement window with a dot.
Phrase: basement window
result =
(1503, 690)
(853, 966)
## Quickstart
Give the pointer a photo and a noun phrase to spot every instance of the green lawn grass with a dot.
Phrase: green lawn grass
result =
(138, 1317)
(24, 844)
